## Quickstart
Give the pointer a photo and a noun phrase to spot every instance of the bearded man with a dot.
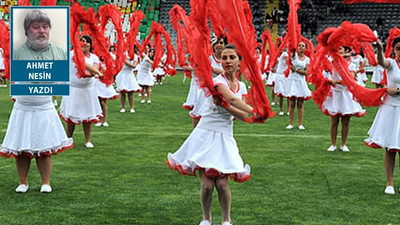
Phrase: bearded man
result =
(37, 26)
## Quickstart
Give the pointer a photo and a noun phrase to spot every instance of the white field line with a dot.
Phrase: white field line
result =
(236, 134)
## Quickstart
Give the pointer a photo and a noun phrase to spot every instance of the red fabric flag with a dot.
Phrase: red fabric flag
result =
(177, 13)
(237, 21)
(267, 39)
(48, 2)
(24, 3)
(157, 31)
(135, 21)
(106, 13)
(293, 33)
(215, 19)
(329, 41)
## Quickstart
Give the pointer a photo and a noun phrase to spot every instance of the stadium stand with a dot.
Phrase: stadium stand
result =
(315, 16)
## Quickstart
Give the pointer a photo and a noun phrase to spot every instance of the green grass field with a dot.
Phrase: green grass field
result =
(124, 179)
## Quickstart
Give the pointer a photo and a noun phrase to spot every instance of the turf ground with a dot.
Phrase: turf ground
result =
(124, 179)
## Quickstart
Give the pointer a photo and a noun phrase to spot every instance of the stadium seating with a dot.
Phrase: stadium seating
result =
(366, 13)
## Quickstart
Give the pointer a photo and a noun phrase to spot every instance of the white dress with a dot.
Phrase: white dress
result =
(385, 130)
(145, 77)
(280, 79)
(211, 145)
(339, 101)
(271, 78)
(377, 76)
(193, 94)
(34, 129)
(126, 80)
(215, 63)
(200, 106)
(82, 105)
(104, 92)
(159, 71)
(357, 61)
(296, 86)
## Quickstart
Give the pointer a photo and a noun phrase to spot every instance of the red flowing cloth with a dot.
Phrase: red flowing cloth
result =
(78, 15)
(48, 2)
(135, 21)
(329, 41)
(106, 13)
(216, 19)
(198, 46)
(157, 30)
(177, 13)
(293, 33)
(240, 30)
(280, 44)
(370, 54)
(24, 3)
(266, 38)
(374, 1)
(5, 45)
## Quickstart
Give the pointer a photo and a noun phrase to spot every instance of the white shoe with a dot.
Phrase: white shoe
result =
(98, 125)
(273, 103)
(45, 188)
(132, 111)
(148, 101)
(331, 148)
(122, 110)
(161, 83)
(22, 188)
(344, 148)
(89, 145)
(288, 113)
(55, 103)
(281, 113)
(140, 95)
(226, 223)
(145, 95)
(389, 190)
(301, 127)
(205, 222)
(142, 101)
(289, 127)
(105, 124)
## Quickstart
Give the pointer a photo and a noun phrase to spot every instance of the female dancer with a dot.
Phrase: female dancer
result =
(377, 76)
(127, 83)
(340, 104)
(297, 89)
(215, 59)
(104, 93)
(34, 131)
(385, 130)
(159, 72)
(145, 78)
(211, 148)
(281, 81)
(82, 105)
(359, 62)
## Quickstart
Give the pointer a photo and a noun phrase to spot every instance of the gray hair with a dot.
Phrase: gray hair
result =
(35, 16)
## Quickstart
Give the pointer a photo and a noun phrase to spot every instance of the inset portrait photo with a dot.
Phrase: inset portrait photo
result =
(39, 33)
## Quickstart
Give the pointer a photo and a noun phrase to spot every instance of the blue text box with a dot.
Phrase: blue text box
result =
(39, 89)
(40, 71)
